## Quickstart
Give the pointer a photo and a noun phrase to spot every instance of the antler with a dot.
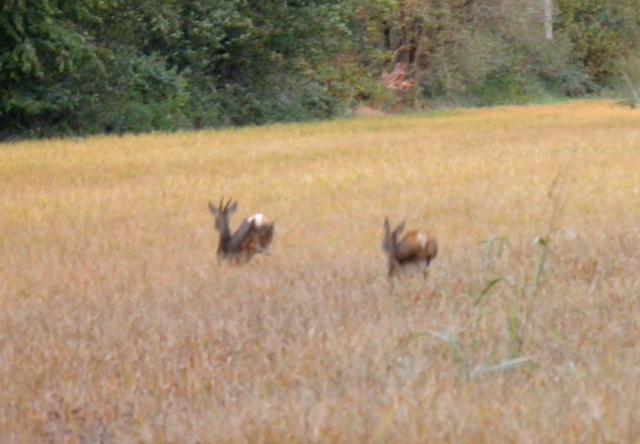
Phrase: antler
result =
(222, 207)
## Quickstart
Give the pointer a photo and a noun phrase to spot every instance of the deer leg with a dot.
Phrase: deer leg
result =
(392, 285)
(425, 271)
(262, 250)
(257, 246)
(393, 269)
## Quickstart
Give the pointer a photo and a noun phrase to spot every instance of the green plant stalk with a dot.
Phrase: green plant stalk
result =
(555, 194)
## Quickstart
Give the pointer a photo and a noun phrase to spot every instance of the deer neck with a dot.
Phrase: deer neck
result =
(225, 237)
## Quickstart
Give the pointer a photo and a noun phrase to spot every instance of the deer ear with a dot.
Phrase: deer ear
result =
(399, 228)
(232, 208)
(213, 209)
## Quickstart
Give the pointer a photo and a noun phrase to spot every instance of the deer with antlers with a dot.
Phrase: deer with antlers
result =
(253, 236)
(417, 247)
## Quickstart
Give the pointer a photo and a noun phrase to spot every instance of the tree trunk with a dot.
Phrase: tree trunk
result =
(417, 69)
(548, 19)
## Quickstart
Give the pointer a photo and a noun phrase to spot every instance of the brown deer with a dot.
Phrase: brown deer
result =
(417, 247)
(253, 236)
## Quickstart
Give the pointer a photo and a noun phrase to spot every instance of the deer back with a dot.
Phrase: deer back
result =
(263, 229)
(416, 246)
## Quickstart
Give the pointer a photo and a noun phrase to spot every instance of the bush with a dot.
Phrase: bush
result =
(507, 86)
(140, 95)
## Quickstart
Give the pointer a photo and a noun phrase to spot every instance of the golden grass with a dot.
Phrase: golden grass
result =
(119, 326)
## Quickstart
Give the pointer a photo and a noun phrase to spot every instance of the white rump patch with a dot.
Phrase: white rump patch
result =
(258, 219)
(422, 239)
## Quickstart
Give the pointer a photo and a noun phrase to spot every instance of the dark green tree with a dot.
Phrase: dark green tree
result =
(47, 65)
(595, 29)
(245, 62)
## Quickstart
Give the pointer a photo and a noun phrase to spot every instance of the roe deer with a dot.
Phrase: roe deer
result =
(253, 236)
(416, 247)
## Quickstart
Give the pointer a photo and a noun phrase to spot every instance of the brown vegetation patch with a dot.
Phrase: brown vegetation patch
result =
(118, 325)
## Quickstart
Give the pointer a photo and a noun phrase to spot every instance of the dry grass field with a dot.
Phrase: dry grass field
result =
(119, 326)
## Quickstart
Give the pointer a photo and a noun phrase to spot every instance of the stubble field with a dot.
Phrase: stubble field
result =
(117, 325)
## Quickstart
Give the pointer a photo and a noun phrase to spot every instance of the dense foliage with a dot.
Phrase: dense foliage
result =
(78, 67)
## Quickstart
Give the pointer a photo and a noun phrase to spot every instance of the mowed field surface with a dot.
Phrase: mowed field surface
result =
(117, 325)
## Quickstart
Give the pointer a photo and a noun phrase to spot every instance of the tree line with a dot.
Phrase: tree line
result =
(78, 67)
